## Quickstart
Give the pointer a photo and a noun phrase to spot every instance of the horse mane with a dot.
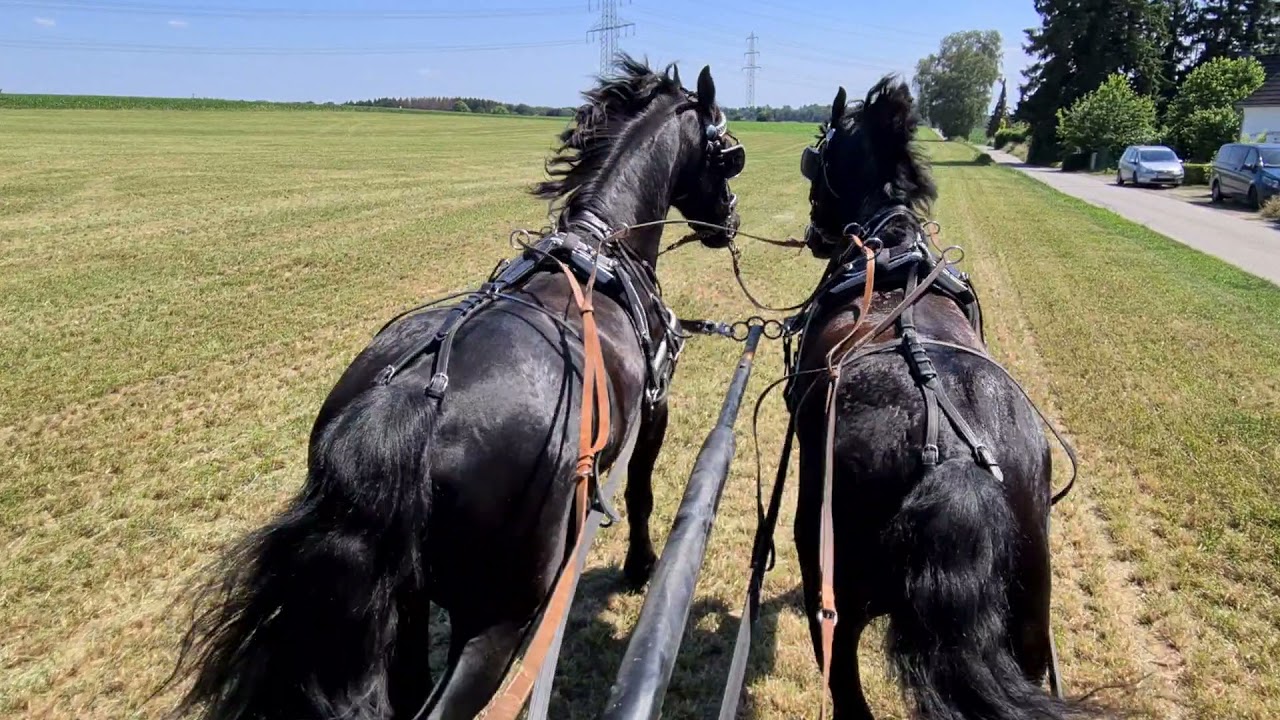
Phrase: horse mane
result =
(888, 116)
(598, 126)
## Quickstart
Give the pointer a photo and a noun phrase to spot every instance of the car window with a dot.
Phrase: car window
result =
(1224, 154)
(1158, 155)
(1251, 158)
(1235, 156)
(1271, 157)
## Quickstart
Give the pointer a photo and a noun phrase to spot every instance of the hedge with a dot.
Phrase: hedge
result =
(1196, 174)
(1010, 136)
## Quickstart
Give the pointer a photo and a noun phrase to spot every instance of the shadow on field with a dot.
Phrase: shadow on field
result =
(593, 651)
(961, 163)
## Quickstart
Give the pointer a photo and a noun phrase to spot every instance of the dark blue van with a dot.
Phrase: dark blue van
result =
(1245, 171)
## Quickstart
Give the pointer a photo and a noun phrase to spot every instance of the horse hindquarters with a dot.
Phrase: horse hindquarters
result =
(305, 621)
(950, 637)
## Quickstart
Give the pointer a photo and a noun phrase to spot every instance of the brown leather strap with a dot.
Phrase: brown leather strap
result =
(593, 435)
(827, 616)
(836, 357)
(863, 311)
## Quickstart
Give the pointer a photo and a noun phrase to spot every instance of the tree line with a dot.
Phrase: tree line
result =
(465, 104)
(1155, 48)
(814, 113)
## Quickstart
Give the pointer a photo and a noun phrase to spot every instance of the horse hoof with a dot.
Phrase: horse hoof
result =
(638, 568)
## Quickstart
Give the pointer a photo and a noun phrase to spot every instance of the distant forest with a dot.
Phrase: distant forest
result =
(806, 113)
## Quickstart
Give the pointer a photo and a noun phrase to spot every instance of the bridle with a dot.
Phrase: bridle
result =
(727, 156)
(812, 164)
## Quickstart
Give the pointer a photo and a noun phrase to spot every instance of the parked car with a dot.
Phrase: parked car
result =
(1149, 165)
(1245, 171)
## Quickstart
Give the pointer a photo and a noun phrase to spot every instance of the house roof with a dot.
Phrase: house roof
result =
(1269, 93)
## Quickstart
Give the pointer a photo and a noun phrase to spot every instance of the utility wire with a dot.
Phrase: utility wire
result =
(128, 8)
(197, 50)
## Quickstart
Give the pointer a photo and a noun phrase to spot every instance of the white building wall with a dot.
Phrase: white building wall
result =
(1261, 119)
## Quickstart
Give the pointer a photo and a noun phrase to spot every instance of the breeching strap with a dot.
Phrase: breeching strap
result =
(593, 435)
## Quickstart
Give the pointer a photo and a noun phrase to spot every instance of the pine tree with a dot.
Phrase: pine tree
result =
(1078, 45)
(1235, 28)
(1179, 55)
(1001, 112)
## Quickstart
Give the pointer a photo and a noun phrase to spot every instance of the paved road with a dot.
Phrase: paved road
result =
(1225, 232)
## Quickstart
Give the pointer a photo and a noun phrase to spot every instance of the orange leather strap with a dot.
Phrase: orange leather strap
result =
(827, 615)
(593, 435)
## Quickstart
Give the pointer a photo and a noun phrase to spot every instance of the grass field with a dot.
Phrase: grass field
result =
(180, 290)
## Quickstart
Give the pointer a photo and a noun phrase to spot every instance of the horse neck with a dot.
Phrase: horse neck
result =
(636, 188)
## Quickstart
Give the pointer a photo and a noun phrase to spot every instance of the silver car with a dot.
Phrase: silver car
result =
(1149, 165)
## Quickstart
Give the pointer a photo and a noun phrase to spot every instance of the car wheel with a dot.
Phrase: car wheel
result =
(1215, 192)
(1119, 178)
(1253, 199)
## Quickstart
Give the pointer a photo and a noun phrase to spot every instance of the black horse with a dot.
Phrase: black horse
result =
(454, 486)
(943, 529)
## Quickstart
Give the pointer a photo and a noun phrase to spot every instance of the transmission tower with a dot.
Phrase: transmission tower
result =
(608, 29)
(751, 67)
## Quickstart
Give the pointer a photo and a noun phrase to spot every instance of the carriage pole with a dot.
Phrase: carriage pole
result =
(646, 668)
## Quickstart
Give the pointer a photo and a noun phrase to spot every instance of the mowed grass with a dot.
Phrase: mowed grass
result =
(180, 290)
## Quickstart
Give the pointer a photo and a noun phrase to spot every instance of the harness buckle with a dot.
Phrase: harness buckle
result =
(385, 375)
(988, 460)
(929, 455)
(439, 383)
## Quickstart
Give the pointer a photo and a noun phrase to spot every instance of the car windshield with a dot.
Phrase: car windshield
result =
(1271, 157)
(1157, 156)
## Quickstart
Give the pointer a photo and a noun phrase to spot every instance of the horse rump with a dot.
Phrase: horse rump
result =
(949, 636)
(301, 619)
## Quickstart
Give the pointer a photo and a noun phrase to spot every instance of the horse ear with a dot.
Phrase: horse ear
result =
(706, 89)
(675, 74)
(838, 106)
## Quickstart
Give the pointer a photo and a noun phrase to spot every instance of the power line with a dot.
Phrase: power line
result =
(206, 50)
(213, 11)
(608, 29)
(751, 67)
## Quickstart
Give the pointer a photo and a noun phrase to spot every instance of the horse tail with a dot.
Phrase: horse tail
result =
(302, 621)
(949, 638)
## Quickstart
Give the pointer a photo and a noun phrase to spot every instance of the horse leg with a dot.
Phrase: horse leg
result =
(1029, 607)
(847, 699)
(639, 493)
(478, 659)
(409, 675)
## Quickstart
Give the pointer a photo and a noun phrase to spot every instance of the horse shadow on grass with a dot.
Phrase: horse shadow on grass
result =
(594, 645)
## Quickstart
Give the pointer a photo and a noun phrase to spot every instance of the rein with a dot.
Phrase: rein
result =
(593, 436)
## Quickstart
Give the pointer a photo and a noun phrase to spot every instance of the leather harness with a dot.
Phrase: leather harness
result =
(581, 254)
(917, 269)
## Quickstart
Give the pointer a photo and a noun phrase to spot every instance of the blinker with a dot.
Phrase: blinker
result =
(733, 160)
(810, 161)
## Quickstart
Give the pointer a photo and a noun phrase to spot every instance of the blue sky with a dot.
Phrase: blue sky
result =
(533, 51)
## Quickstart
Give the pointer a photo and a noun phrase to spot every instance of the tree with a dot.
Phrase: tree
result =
(1179, 53)
(1001, 114)
(460, 106)
(500, 110)
(1109, 118)
(1236, 28)
(954, 86)
(1203, 116)
(1078, 45)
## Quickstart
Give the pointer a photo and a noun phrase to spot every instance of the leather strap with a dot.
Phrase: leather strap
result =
(593, 435)
(827, 615)
(868, 289)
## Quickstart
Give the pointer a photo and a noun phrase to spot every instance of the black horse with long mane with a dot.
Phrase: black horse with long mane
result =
(450, 479)
(925, 480)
